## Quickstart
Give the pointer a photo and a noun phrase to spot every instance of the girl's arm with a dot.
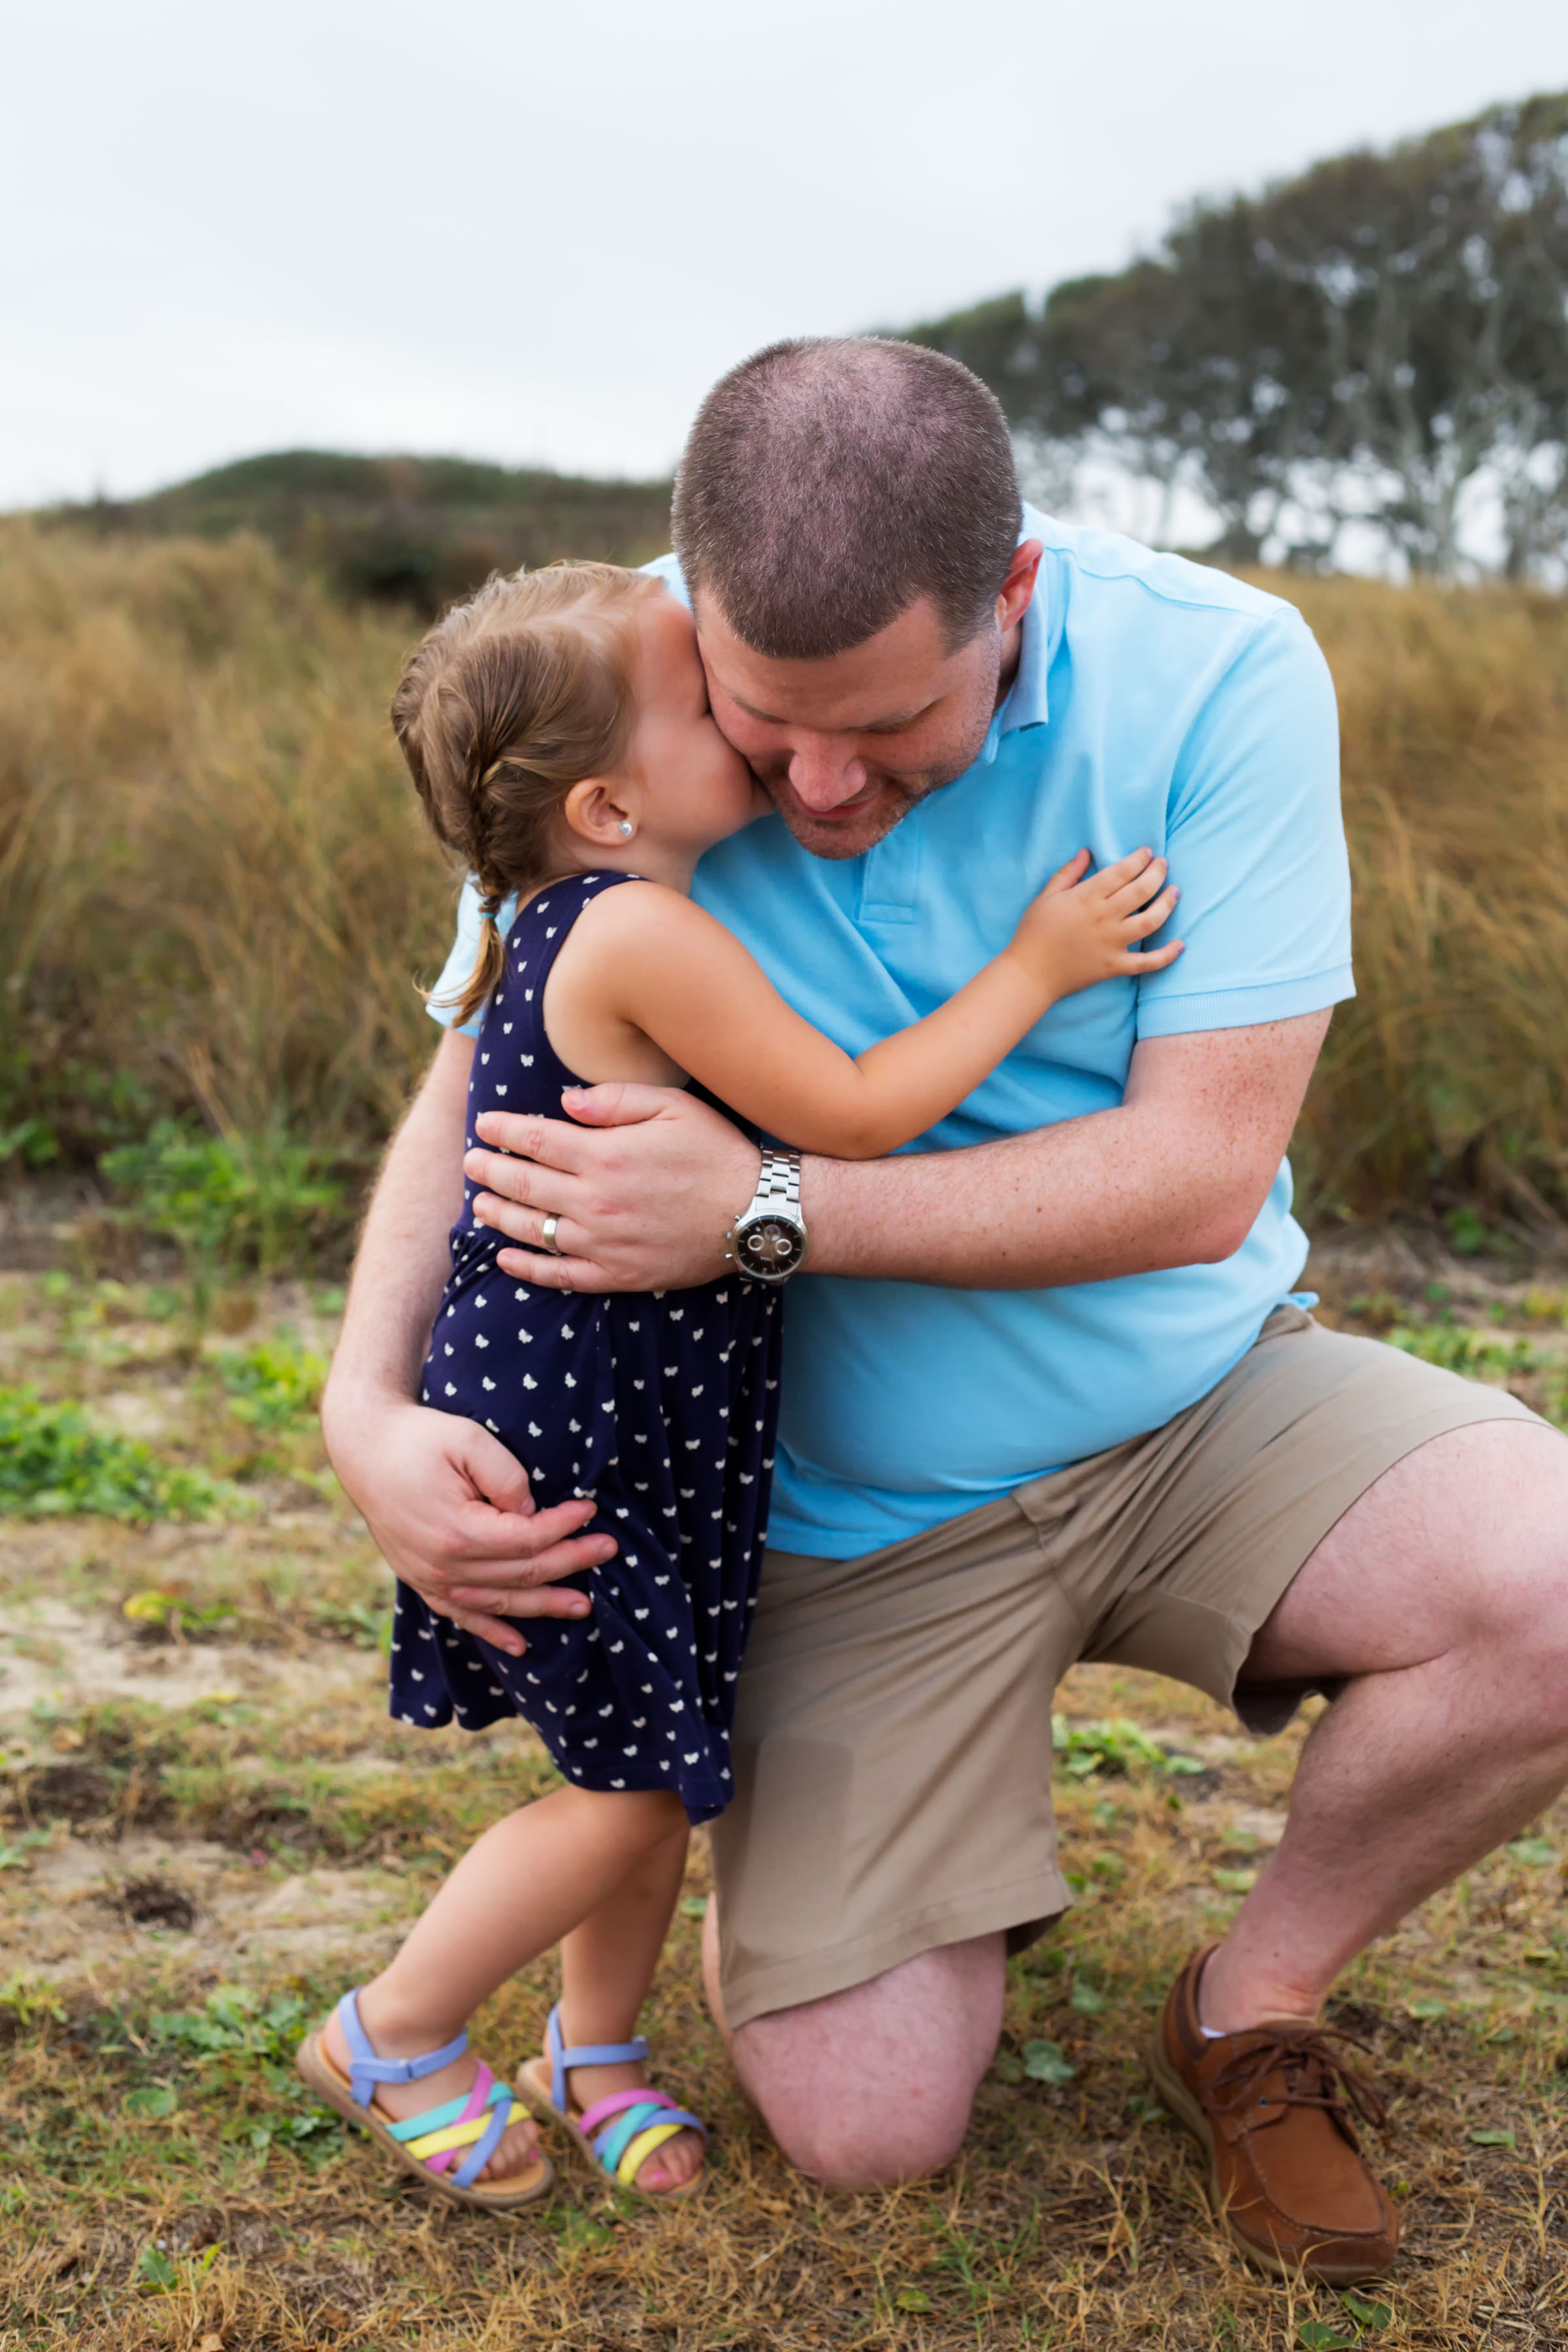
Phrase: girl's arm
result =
(643, 959)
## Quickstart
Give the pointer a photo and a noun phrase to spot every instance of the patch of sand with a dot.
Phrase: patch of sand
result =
(57, 1655)
(64, 1919)
(140, 1413)
(1262, 1823)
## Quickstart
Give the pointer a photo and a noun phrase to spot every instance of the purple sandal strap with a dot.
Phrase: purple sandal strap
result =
(475, 2158)
(472, 2107)
(366, 2069)
(591, 2054)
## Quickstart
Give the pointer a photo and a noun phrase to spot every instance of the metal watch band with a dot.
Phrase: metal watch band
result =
(779, 1181)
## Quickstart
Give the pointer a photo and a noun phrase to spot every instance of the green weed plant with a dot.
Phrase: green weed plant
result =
(1540, 1372)
(229, 1204)
(54, 1463)
(275, 1385)
(1117, 1747)
(237, 2049)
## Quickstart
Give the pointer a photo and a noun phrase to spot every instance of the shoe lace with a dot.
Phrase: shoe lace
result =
(1314, 2074)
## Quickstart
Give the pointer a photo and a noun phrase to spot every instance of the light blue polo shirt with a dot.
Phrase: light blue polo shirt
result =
(1156, 703)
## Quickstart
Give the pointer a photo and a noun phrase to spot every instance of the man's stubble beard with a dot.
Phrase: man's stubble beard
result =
(821, 838)
(898, 795)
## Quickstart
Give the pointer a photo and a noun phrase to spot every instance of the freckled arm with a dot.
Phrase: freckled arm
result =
(1173, 1176)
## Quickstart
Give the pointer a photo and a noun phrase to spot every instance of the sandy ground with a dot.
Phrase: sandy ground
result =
(86, 1901)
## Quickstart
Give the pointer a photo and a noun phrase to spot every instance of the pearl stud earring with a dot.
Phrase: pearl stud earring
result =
(625, 828)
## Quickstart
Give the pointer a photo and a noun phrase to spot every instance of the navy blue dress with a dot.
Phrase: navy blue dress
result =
(662, 1406)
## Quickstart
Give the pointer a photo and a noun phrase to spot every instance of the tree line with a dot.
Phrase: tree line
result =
(1380, 342)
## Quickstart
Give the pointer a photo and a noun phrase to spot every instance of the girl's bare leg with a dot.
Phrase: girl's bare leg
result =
(526, 1883)
(607, 1966)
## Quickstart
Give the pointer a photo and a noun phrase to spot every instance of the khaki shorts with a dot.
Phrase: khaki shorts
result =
(894, 1733)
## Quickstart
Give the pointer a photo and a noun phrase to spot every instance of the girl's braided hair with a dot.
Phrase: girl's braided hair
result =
(509, 701)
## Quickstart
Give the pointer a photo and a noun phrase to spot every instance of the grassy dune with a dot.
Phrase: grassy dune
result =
(415, 531)
(214, 895)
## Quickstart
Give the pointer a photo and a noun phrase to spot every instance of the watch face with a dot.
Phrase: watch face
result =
(769, 1247)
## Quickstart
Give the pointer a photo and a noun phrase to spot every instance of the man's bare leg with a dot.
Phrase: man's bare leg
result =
(874, 2085)
(1443, 1593)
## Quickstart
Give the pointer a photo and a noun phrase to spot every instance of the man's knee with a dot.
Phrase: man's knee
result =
(874, 2085)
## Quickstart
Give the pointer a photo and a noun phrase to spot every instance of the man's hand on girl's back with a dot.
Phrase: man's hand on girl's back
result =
(644, 1183)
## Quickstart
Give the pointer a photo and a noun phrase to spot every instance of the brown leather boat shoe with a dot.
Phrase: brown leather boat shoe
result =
(1273, 2107)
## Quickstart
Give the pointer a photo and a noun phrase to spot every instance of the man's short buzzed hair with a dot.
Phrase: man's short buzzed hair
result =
(829, 484)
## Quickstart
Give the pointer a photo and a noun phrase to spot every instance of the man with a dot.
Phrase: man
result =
(1047, 1393)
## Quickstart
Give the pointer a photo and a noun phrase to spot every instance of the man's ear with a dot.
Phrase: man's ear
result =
(1013, 602)
(598, 810)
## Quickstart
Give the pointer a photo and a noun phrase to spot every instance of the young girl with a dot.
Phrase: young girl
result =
(558, 730)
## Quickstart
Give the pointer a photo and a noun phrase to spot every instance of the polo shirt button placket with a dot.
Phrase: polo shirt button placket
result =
(891, 876)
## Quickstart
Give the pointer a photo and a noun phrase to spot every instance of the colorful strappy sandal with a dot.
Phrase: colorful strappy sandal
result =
(431, 2145)
(618, 2133)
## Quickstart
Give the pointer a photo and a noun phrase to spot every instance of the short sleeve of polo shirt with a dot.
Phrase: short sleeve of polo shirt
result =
(1257, 846)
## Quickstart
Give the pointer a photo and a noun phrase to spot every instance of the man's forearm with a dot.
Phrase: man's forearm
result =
(1080, 1202)
(1173, 1176)
(402, 1260)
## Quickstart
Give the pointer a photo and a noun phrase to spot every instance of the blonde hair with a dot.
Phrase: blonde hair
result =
(512, 700)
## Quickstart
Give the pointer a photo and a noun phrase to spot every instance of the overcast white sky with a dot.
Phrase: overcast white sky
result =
(538, 233)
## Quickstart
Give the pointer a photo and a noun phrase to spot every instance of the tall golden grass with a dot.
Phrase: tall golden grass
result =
(215, 893)
(1448, 1078)
(214, 887)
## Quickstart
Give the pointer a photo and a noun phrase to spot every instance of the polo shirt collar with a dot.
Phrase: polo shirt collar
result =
(1024, 704)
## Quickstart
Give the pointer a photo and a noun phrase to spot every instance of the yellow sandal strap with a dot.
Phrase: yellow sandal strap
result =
(451, 2136)
(639, 2150)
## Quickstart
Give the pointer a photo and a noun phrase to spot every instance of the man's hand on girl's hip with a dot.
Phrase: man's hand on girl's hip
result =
(450, 1510)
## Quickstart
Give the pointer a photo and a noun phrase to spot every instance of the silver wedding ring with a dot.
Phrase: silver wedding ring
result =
(547, 1240)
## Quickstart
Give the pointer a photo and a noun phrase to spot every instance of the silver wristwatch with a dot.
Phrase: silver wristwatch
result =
(768, 1241)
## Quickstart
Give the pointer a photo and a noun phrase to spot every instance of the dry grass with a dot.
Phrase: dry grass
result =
(1446, 1077)
(221, 1800)
(214, 895)
(214, 889)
